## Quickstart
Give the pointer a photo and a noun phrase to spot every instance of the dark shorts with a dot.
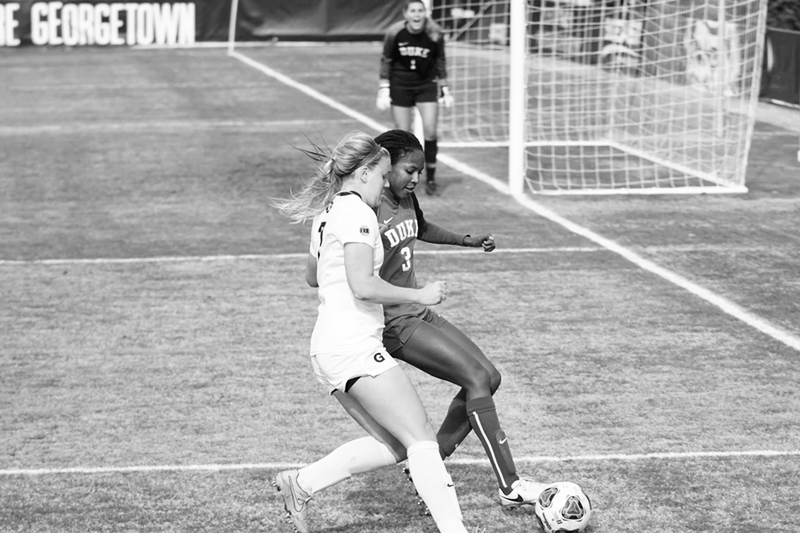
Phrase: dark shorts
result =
(410, 96)
(400, 330)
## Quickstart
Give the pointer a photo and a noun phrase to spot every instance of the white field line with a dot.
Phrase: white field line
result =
(725, 305)
(269, 257)
(467, 461)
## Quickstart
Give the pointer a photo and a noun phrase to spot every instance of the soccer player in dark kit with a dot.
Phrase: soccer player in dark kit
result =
(413, 73)
(419, 336)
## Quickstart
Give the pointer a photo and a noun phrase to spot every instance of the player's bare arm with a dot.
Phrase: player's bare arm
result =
(358, 261)
(311, 271)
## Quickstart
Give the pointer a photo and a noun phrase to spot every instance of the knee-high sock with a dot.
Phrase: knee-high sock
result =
(354, 457)
(431, 149)
(455, 426)
(435, 486)
(484, 420)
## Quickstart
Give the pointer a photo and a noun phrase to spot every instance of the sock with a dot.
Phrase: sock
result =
(431, 149)
(455, 426)
(435, 486)
(484, 420)
(354, 457)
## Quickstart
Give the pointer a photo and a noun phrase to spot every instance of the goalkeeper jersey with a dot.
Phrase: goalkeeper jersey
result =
(413, 59)
(344, 324)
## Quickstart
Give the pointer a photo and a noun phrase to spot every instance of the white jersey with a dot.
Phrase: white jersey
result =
(345, 324)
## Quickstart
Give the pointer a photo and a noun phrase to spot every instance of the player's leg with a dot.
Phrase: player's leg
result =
(402, 117)
(403, 100)
(357, 456)
(443, 351)
(298, 486)
(428, 107)
(391, 400)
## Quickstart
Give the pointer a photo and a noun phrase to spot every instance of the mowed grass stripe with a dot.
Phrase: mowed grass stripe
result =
(165, 125)
(269, 257)
(456, 461)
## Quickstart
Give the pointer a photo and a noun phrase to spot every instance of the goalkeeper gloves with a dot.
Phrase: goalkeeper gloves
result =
(384, 100)
(446, 99)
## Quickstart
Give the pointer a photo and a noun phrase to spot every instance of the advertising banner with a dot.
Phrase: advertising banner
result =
(98, 23)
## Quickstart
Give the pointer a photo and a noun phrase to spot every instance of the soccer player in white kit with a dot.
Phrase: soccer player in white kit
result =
(347, 351)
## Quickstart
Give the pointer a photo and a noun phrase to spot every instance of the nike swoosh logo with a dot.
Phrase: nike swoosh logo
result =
(501, 442)
(295, 500)
(389, 220)
(518, 499)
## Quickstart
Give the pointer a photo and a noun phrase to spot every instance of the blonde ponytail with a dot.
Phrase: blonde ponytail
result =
(356, 150)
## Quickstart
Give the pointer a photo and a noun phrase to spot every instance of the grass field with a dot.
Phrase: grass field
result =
(154, 321)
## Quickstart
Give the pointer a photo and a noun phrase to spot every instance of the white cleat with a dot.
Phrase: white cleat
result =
(295, 499)
(524, 492)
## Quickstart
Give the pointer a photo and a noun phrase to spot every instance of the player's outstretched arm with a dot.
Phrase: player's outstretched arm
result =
(438, 235)
(486, 241)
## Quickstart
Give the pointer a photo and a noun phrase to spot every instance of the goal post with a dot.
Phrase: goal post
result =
(606, 97)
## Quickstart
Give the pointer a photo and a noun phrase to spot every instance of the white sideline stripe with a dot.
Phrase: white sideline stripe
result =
(267, 257)
(727, 306)
(456, 461)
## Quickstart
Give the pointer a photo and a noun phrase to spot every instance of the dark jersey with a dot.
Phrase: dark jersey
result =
(413, 59)
(405, 220)
(406, 224)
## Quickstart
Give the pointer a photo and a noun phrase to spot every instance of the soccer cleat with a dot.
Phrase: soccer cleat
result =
(523, 492)
(431, 188)
(295, 499)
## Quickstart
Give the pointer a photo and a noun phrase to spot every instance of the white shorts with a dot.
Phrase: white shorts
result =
(334, 371)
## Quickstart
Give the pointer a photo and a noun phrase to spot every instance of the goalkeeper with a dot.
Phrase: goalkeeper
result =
(414, 74)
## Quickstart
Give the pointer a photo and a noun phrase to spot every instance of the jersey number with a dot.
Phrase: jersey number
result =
(321, 227)
(406, 251)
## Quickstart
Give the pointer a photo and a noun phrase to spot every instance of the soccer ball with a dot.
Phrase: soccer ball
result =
(563, 507)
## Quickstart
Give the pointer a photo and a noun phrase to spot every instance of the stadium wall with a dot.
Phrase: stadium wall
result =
(98, 23)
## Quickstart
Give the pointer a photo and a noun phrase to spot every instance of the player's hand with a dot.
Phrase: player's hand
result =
(446, 99)
(487, 241)
(384, 100)
(433, 293)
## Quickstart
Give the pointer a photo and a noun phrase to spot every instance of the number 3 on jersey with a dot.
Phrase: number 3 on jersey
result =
(405, 251)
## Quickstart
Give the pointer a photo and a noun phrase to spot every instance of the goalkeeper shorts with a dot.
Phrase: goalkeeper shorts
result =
(411, 96)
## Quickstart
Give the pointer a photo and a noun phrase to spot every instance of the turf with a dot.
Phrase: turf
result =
(155, 321)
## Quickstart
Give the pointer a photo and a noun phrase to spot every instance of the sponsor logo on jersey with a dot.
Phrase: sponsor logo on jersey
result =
(379, 358)
(364, 230)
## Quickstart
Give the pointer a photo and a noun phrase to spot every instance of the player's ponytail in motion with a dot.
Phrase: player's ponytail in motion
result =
(356, 150)
(398, 143)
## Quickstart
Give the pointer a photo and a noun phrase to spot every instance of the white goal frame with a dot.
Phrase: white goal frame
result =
(727, 177)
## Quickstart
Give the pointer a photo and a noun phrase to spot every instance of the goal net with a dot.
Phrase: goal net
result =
(606, 97)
